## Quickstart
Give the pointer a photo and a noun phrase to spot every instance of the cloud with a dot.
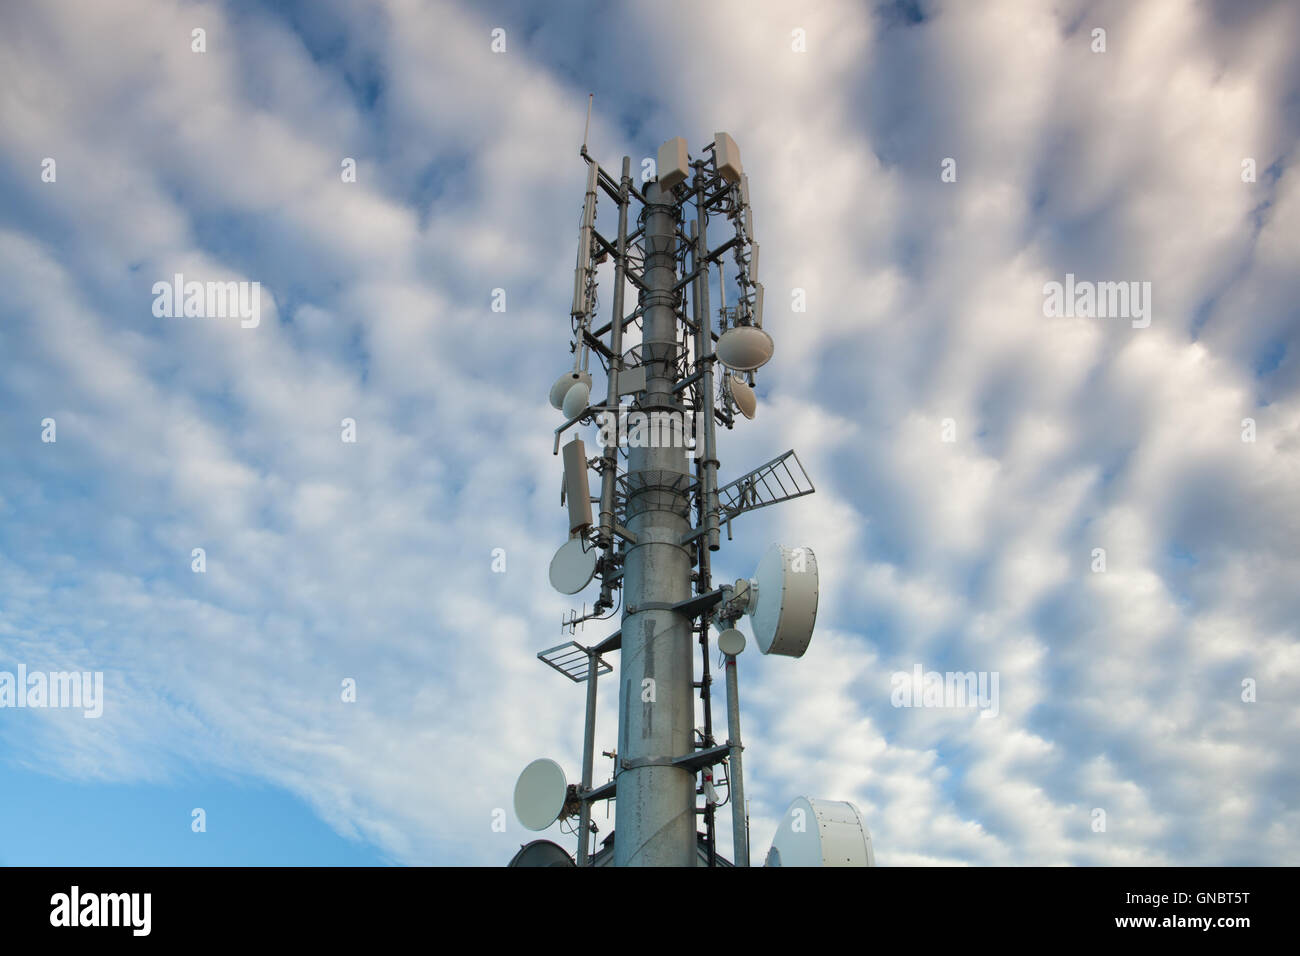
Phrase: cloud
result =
(372, 560)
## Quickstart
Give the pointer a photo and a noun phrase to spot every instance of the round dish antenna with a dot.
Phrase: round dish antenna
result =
(573, 566)
(743, 396)
(541, 853)
(783, 600)
(575, 399)
(540, 794)
(565, 383)
(745, 347)
(731, 641)
(821, 833)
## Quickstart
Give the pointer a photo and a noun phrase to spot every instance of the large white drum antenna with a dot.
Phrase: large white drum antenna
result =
(821, 833)
(782, 604)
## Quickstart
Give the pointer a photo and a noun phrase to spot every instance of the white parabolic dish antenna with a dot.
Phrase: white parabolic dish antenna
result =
(743, 396)
(821, 833)
(745, 348)
(573, 566)
(541, 853)
(540, 793)
(575, 400)
(784, 609)
(731, 641)
(565, 382)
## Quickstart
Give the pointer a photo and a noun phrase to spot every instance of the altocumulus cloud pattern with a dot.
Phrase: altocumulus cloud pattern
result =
(1089, 491)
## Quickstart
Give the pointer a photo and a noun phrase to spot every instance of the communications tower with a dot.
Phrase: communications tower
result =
(668, 374)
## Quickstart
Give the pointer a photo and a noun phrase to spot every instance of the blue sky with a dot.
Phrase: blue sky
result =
(1121, 689)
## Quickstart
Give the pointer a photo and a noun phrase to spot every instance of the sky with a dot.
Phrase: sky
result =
(1102, 511)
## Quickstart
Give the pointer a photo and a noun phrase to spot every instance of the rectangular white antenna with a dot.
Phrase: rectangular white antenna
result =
(727, 155)
(672, 164)
(587, 129)
(576, 489)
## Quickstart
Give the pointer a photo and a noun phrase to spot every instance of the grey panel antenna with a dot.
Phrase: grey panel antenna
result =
(577, 488)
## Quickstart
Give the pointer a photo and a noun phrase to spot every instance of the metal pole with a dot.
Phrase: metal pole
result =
(705, 470)
(655, 807)
(736, 775)
(706, 698)
(704, 361)
(588, 757)
(610, 474)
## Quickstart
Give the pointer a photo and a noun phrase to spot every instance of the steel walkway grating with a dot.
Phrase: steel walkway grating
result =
(572, 661)
(780, 479)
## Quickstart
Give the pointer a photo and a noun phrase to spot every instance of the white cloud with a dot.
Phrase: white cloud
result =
(329, 560)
